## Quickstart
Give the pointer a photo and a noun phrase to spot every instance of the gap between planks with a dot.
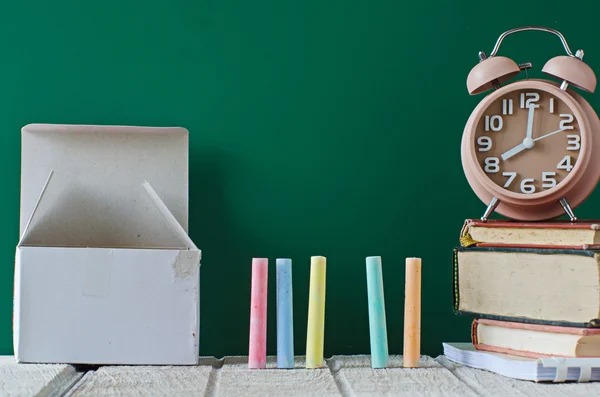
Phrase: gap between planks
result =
(355, 378)
(339, 378)
(212, 385)
(45, 380)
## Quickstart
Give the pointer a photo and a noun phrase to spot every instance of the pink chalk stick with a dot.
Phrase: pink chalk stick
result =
(257, 352)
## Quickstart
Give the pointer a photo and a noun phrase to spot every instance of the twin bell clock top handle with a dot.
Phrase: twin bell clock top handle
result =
(494, 70)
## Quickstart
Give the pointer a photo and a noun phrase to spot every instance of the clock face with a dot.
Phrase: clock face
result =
(527, 141)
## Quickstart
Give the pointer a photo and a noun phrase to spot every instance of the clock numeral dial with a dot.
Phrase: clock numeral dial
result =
(485, 143)
(566, 120)
(511, 177)
(507, 106)
(527, 141)
(548, 179)
(565, 164)
(494, 123)
(529, 99)
(527, 186)
(492, 165)
(573, 142)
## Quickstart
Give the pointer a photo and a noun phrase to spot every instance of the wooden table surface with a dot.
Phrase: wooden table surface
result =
(344, 376)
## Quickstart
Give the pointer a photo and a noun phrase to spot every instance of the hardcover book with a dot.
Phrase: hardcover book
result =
(535, 340)
(531, 285)
(551, 234)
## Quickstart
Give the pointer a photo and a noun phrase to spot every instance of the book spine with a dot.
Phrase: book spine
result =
(506, 350)
(595, 323)
(455, 296)
(539, 328)
(465, 236)
(474, 338)
(582, 247)
(529, 250)
(591, 224)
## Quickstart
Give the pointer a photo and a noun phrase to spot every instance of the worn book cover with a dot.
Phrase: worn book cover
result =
(534, 340)
(583, 234)
(528, 285)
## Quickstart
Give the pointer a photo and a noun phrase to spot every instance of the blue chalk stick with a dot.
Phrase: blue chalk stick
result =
(285, 316)
(377, 322)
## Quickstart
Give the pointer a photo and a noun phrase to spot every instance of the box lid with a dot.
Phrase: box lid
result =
(99, 193)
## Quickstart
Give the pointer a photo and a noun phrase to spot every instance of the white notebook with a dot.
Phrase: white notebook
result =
(552, 369)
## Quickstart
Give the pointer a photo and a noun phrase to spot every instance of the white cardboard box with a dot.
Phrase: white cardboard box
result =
(105, 271)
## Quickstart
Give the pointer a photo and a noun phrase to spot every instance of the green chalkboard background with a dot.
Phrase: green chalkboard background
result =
(316, 128)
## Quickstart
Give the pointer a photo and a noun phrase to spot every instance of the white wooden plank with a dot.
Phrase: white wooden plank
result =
(344, 375)
(157, 381)
(35, 379)
(237, 380)
(355, 377)
(491, 384)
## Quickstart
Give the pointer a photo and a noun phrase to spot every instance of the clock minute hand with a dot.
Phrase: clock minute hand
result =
(549, 134)
(526, 144)
(530, 121)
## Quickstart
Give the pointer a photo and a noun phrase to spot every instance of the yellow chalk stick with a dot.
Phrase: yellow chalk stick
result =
(316, 313)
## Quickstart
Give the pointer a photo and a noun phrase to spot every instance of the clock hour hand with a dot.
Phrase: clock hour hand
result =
(516, 150)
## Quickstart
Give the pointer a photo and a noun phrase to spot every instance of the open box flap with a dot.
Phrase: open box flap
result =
(54, 224)
(96, 197)
(37, 203)
(169, 217)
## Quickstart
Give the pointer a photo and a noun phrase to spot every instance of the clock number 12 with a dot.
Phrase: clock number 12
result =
(528, 99)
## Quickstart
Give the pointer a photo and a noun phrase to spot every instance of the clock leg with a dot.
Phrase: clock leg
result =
(565, 204)
(491, 207)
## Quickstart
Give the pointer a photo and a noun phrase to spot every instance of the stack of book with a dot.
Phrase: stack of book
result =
(533, 288)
